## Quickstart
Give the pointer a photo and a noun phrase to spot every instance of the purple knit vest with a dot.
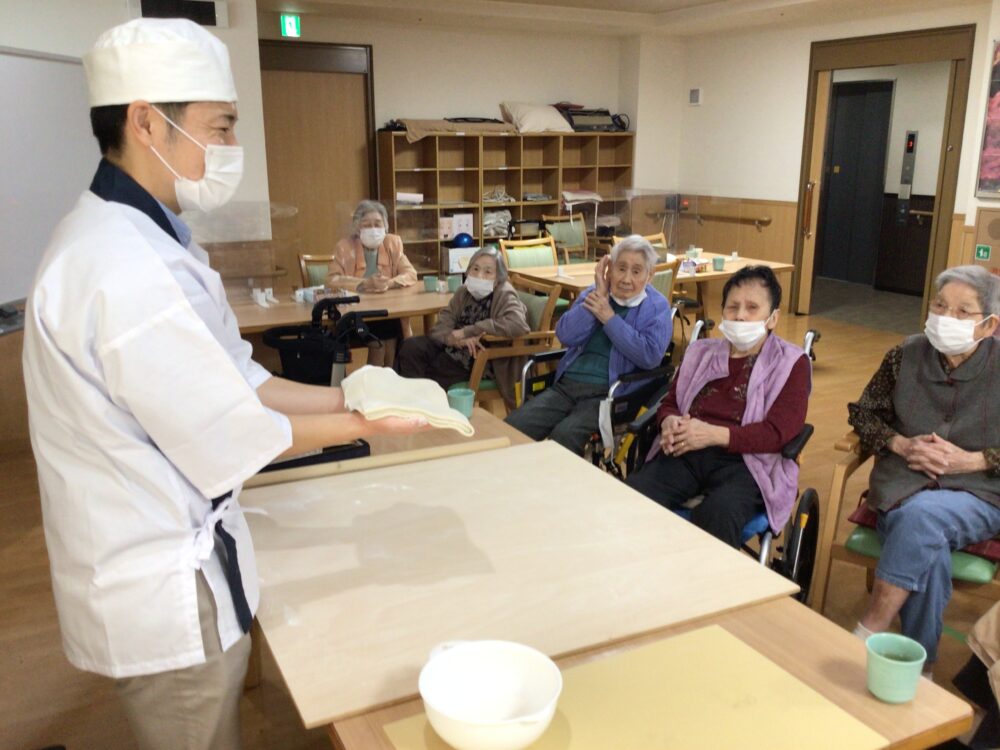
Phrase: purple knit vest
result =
(707, 360)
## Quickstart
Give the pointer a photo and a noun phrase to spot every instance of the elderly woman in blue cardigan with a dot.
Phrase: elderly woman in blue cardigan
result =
(617, 326)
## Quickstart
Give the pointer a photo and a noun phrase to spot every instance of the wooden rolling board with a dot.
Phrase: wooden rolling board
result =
(702, 690)
(363, 573)
(390, 450)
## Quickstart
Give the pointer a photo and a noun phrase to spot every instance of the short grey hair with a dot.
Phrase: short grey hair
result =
(986, 284)
(491, 252)
(636, 243)
(369, 207)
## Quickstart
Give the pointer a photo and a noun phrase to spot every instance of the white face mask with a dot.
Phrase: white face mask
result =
(631, 301)
(479, 288)
(951, 336)
(223, 172)
(371, 237)
(744, 334)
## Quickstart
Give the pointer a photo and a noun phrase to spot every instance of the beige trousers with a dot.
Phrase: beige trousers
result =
(196, 708)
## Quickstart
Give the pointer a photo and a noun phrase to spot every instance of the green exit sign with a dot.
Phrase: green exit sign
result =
(291, 25)
(983, 252)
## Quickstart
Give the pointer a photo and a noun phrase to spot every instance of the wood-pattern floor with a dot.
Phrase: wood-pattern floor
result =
(45, 701)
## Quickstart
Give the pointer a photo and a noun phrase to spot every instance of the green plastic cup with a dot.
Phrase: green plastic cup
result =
(430, 283)
(454, 282)
(461, 399)
(718, 264)
(894, 666)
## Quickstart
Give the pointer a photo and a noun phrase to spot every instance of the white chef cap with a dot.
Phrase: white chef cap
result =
(158, 60)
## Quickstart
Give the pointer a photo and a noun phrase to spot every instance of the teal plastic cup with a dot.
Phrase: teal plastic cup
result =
(430, 283)
(454, 282)
(718, 264)
(461, 399)
(894, 666)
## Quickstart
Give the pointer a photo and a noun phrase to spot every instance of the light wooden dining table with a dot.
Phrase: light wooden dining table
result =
(363, 573)
(409, 302)
(575, 277)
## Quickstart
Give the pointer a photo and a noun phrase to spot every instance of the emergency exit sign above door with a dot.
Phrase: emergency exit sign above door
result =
(291, 25)
(983, 252)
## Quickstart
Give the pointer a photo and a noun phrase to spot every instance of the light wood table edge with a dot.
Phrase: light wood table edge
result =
(359, 730)
(347, 466)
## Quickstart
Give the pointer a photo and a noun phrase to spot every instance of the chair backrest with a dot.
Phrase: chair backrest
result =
(314, 269)
(658, 241)
(540, 300)
(663, 277)
(527, 253)
(568, 231)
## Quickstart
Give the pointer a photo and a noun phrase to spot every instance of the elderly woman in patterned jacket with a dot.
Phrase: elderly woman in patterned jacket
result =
(931, 417)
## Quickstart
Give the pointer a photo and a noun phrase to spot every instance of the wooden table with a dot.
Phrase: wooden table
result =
(824, 656)
(363, 573)
(578, 276)
(409, 302)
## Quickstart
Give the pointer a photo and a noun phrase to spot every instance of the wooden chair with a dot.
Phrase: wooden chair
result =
(664, 275)
(314, 269)
(658, 241)
(540, 300)
(528, 253)
(974, 575)
(570, 233)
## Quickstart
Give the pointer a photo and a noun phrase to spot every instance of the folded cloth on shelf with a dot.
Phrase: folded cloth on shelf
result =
(495, 223)
(378, 392)
(417, 129)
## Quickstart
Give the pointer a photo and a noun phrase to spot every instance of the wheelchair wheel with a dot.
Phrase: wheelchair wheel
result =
(800, 551)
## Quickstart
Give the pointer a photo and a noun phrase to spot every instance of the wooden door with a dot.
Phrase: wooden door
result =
(318, 160)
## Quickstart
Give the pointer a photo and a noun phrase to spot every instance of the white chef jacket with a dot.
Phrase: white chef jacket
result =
(142, 407)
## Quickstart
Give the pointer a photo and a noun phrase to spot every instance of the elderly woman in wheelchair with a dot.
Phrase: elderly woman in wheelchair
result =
(733, 406)
(616, 326)
(931, 417)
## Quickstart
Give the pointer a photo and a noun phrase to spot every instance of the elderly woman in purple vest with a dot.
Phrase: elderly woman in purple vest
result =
(735, 402)
(616, 326)
(931, 417)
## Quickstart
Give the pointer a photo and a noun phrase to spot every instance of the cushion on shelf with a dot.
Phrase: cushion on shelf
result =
(534, 118)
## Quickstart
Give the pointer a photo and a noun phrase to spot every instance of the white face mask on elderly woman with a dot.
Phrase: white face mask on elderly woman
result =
(951, 336)
(479, 288)
(744, 334)
(372, 237)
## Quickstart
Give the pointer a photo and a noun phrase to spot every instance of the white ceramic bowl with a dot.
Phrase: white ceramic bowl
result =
(489, 695)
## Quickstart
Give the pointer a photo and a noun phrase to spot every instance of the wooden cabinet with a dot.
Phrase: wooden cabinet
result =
(464, 174)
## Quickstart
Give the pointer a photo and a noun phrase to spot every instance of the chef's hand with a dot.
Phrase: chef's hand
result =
(398, 425)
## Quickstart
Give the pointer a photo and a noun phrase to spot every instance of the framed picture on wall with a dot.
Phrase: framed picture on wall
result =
(988, 178)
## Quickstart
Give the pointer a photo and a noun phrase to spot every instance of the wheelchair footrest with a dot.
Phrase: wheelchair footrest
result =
(964, 567)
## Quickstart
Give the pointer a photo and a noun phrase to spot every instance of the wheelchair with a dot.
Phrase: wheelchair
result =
(796, 557)
(618, 410)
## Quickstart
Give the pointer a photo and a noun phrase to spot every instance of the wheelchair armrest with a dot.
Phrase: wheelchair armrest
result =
(640, 423)
(542, 357)
(639, 376)
(794, 447)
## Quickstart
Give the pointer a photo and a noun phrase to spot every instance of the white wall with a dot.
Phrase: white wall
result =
(425, 72)
(70, 27)
(746, 139)
(657, 119)
(919, 98)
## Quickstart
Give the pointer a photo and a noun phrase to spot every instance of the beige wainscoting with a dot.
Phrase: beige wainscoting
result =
(962, 245)
(13, 403)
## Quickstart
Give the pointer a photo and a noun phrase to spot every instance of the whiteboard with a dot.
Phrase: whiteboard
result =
(48, 156)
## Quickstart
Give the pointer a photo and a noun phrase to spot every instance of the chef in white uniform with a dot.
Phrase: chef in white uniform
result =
(146, 411)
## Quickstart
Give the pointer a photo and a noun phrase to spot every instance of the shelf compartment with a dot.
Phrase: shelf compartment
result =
(579, 178)
(544, 181)
(615, 150)
(417, 182)
(613, 180)
(419, 155)
(417, 227)
(501, 151)
(540, 151)
(579, 150)
(457, 151)
(458, 187)
(502, 179)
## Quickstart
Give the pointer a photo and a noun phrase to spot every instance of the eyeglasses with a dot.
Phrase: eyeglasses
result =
(938, 307)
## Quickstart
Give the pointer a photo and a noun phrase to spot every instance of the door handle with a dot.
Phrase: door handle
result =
(807, 210)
